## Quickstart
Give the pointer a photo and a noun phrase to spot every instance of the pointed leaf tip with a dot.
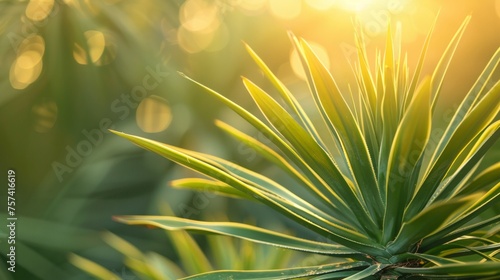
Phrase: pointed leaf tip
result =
(291, 35)
(183, 75)
(119, 219)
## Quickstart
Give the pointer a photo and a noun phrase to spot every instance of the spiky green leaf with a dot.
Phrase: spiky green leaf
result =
(280, 273)
(242, 231)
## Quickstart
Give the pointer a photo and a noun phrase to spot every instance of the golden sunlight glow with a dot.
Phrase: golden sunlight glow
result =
(252, 5)
(199, 15)
(321, 4)
(354, 5)
(201, 28)
(28, 64)
(38, 10)
(21, 77)
(498, 7)
(46, 116)
(220, 39)
(153, 114)
(96, 43)
(193, 42)
(318, 49)
(285, 9)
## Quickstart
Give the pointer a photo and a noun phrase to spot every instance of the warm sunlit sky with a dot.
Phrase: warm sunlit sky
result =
(203, 38)
(203, 26)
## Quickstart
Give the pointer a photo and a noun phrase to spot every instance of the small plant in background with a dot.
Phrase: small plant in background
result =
(225, 253)
(391, 202)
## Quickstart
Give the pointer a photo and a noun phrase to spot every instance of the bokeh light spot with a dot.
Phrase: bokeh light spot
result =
(192, 42)
(320, 52)
(19, 77)
(38, 10)
(285, 9)
(153, 114)
(96, 43)
(199, 15)
(79, 54)
(28, 64)
(45, 116)
(35, 42)
(29, 59)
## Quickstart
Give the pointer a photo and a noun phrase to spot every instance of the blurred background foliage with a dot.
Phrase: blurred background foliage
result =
(71, 69)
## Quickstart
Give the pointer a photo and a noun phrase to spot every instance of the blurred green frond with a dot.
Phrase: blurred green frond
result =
(226, 253)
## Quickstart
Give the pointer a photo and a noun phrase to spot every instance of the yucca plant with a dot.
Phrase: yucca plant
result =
(387, 199)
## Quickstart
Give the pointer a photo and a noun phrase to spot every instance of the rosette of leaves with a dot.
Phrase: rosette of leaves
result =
(391, 202)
